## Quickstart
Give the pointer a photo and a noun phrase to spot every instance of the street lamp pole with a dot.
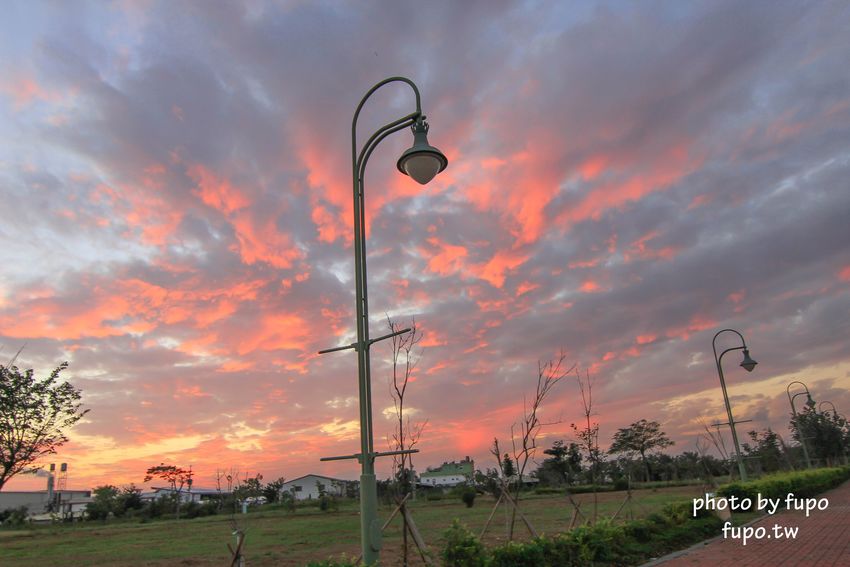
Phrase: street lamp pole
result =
(421, 162)
(748, 364)
(811, 403)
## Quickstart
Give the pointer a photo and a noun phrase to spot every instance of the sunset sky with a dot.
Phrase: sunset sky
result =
(624, 180)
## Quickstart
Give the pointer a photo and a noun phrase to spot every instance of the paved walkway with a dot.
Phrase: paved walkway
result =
(823, 540)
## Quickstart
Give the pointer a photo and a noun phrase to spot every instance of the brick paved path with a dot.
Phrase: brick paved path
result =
(823, 540)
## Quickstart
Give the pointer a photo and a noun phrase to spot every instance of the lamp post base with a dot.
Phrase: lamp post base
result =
(370, 526)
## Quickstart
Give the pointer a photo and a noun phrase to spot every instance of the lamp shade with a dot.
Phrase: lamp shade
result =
(748, 363)
(422, 161)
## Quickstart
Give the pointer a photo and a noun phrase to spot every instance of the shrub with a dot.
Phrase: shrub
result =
(468, 497)
(343, 562)
(14, 517)
(802, 484)
(462, 548)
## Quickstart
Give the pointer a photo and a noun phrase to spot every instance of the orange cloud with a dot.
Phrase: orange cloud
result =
(216, 192)
(696, 324)
(276, 332)
(640, 249)
(645, 339)
(447, 260)
(525, 287)
(496, 268)
(262, 241)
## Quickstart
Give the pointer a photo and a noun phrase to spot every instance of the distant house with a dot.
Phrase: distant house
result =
(449, 474)
(186, 495)
(307, 486)
(527, 480)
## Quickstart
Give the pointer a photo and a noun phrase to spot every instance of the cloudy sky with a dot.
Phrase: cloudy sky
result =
(625, 180)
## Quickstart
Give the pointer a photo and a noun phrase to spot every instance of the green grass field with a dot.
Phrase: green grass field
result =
(279, 538)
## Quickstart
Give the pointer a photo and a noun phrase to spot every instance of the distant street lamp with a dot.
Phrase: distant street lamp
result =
(809, 402)
(421, 162)
(832, 405)
(747, 364)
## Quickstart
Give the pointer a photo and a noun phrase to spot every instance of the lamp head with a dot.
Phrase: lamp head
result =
(748, 363)
(422, 161)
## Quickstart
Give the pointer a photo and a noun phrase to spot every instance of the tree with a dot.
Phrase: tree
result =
(524, 433)
(588, 436)
(766, 449)
(272, 490)
(33, 417)
(826, 435)
(103, 502)
(641, 437)
(405, 435)
(508, 468)
(176, 478)
(249, 489)
(564, 464)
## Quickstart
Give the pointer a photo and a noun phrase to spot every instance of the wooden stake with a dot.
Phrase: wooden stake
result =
(493, 513)
(513, 502)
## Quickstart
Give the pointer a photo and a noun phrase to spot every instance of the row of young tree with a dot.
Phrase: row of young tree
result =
(636, 453)
(232, 491)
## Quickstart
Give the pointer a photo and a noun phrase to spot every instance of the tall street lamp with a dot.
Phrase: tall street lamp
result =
(421, 162)
(747, 364)
(809, 402)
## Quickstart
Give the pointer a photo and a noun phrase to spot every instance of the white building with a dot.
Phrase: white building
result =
(64, 502)
(307, 487)
(186, 495)
(449, 474)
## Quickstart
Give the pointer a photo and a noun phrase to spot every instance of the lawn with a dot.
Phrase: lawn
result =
(279, 538)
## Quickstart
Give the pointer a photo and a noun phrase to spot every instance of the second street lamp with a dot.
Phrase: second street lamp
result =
(421, 162)
(800, 430)
(747, 364)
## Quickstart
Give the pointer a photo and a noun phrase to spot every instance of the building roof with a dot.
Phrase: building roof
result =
(464, 467)
(317, 476)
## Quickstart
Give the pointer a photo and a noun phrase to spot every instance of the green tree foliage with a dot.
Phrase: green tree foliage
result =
(103, 502)
(251, 487)
(508, 468)
(108, 499)
(766, 448)
(176, 477)
(826, 434)
(272, 490)
(564, 464)
(640, 437)
(34, 414)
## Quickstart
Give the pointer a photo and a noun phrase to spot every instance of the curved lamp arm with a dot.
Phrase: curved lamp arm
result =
(413, 115)
(791, 399)
(714, 346)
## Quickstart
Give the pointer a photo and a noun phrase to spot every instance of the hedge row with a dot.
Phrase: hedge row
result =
(802, 484)
(602, 543)
(630, 543)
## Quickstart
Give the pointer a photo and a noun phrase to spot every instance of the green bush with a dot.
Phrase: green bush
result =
(462, 548)
(548, 490)
(343, 562)
(803, 484)
(468, 496)
(630, 543)
(14, 517)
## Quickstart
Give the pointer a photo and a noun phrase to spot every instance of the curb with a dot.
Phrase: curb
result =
(694, 547)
